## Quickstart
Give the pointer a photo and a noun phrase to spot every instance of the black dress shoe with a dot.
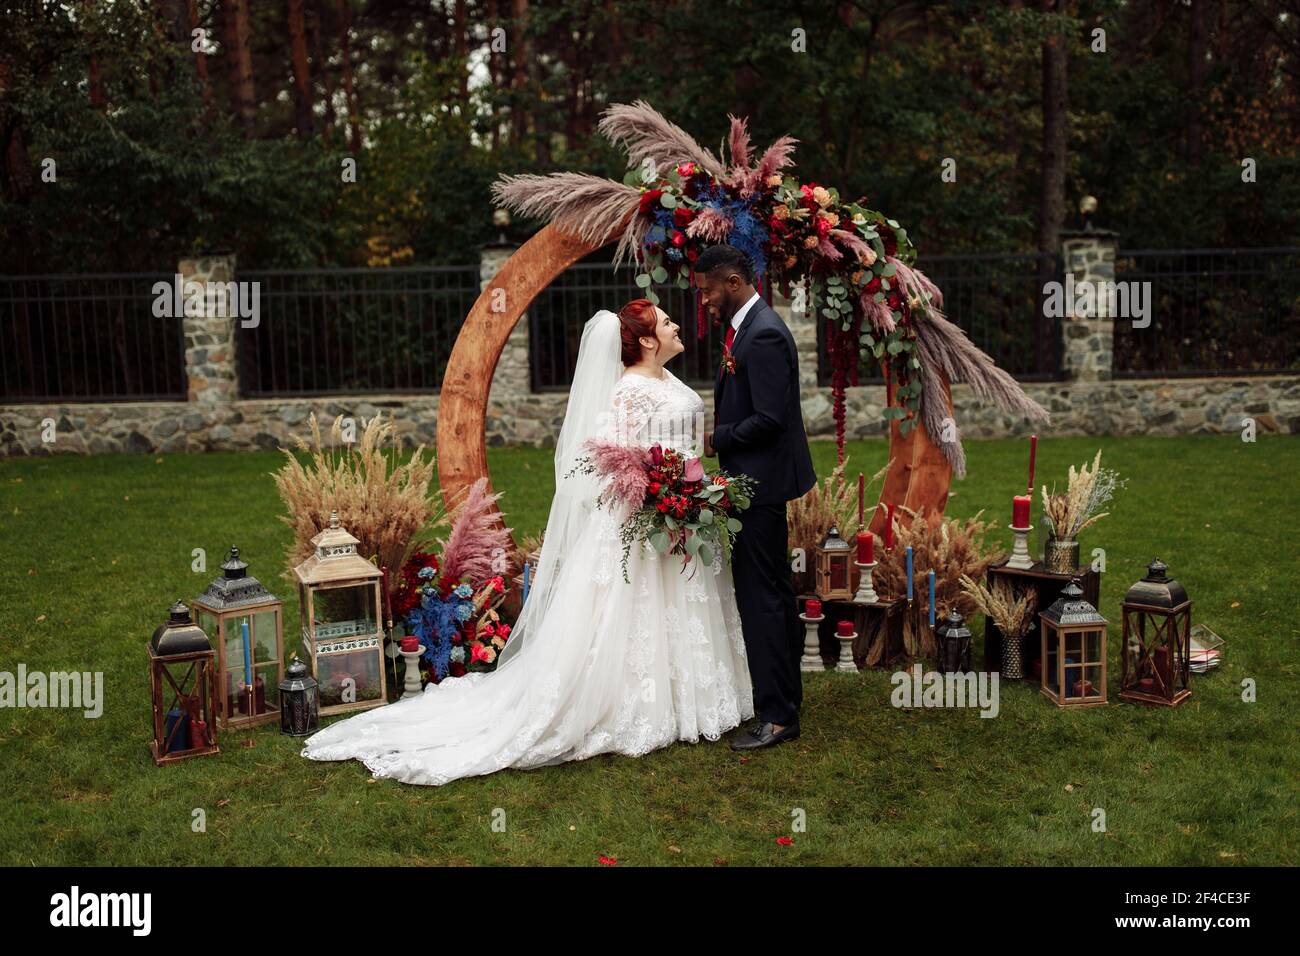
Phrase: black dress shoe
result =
(762, 736)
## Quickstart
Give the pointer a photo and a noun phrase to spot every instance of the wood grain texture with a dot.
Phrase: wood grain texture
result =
(919, 476)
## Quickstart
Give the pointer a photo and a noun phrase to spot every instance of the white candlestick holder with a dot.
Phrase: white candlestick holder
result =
(866, 592)
(812, 652)
(846, 661)
(412, 687)
(1020, 559)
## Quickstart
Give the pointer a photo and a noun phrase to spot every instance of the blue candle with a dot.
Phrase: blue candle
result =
(248, 658)
(524, 599)
(932, 597)
(909, 572)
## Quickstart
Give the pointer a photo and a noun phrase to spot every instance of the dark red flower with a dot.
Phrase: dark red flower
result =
(679, 238)
(692, 254)
(650, 199)
(682, 216)
(654, 487)
(456, 669)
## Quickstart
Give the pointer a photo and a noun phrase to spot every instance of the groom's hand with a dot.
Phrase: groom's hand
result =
(708, 445)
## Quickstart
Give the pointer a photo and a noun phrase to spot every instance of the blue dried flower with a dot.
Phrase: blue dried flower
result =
(464, 591)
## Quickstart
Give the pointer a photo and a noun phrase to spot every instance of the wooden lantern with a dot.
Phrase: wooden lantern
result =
(1156, 663)
(1073, 651)
(342, 633)
(182, 677)
(245, 622)
(833, 559)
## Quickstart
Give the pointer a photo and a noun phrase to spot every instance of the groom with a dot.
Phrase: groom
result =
(758, 431)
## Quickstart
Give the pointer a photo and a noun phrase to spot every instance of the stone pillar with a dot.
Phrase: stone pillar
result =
(514, 370)
(209, 329)
(803, 326)
(1088, 325)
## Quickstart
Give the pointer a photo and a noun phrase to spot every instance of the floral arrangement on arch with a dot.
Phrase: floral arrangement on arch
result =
(847, 263)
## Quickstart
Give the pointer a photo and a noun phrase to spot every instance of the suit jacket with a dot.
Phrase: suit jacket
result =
(758, 428)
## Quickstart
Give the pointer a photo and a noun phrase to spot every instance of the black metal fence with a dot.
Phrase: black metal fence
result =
(1211, 312)
(88, 338)
(557, 315)
(353, 331)
(997, 300)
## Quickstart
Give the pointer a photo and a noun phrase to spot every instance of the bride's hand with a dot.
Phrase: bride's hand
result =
(708, 445)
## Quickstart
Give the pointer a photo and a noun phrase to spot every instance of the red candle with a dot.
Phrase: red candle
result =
(813, 608)
(1033, 453)
(889, 527)
(866, 547)
(844, 628)
(410, 643)
(862, 490)
(1020, 511)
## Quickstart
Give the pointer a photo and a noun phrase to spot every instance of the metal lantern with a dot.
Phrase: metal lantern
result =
(342, 635)
(1157, 640)
(182, 671)
(245, 622)
(299, 702)
(1073, 650)
(954, 640)
(834, 558)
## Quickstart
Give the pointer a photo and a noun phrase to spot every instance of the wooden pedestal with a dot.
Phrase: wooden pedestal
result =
(1049, 585)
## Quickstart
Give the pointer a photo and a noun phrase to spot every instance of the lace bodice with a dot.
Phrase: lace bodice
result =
(664, 410)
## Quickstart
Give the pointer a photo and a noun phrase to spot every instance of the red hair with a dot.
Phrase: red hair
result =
(636, 319)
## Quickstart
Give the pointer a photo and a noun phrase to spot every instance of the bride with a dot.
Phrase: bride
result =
(594, 664)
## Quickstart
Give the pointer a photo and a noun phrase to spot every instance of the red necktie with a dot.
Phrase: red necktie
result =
(731, 337)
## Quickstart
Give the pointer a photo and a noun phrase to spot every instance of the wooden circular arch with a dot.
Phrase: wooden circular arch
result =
(919, 475)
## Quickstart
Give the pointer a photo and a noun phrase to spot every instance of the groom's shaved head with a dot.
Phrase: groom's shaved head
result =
(716, 261)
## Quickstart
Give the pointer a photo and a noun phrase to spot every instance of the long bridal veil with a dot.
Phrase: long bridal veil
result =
(598, 370)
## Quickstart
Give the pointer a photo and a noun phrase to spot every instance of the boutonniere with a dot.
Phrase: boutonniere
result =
(728, 363)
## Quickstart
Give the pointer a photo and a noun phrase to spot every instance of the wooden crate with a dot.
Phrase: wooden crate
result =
(1050, 585)
(876, 624)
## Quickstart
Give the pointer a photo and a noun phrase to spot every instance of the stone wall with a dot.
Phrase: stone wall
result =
(1087, 402)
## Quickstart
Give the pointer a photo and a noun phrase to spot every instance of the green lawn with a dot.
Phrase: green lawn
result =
(95, 549)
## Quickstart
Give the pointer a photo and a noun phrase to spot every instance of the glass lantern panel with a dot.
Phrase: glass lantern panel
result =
(1092, 674)
(333, 672)
(1092, 647)
(839, 573)
(1073, 681)
(1052, 665)
(1074, 646)
(265, 645)
(234, 640)
(269, 700)
(345, 612)
(208, 622)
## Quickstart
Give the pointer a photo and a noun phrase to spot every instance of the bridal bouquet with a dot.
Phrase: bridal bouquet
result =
(674, 505)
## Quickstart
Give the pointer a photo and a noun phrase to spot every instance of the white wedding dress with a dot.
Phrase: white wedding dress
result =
(595, 664)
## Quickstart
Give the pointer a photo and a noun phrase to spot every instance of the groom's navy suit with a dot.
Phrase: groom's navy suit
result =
(759, 432)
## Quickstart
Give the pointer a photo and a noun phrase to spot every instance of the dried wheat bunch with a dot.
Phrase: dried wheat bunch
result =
(1013, 615)
(834, 502)
(383, 503)
(953, 548)
(1086, 493)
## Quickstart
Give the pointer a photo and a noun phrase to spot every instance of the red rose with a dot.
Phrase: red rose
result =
(662, 506)
(650, 199)
(682, 217)
(874, 284)
(823, 227)
(679, 238)
(692, 254)
(894, 300)
(457, 669)
(654, 487)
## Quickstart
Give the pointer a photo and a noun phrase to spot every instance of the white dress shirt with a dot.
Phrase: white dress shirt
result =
(743, 311)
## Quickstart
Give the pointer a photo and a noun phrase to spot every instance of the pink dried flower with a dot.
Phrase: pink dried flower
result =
(623, 467)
